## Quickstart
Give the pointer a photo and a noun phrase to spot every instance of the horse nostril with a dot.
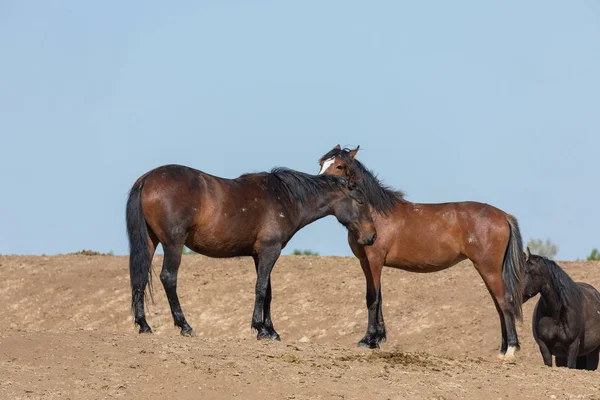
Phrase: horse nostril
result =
(374, 238)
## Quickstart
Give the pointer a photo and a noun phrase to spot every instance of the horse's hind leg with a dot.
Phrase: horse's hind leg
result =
(138, 303)
(491, 273)
(581, 362)
(504, 345)
(589, 361)
(592, 360)
(168, 277)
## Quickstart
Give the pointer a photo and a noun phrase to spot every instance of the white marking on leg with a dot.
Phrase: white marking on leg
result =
(326, 164)
(509, 356)
(510, 351)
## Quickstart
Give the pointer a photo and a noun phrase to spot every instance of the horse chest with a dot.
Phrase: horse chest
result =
(555, 334)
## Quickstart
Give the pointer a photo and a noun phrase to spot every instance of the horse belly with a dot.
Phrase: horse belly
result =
(223, 239)
(419, 258)
(419, 244)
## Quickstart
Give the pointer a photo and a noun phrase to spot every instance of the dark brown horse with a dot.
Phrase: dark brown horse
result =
(254, 215)
(566, 320)
(432, 237)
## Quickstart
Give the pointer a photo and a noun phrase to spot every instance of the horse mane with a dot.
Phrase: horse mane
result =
(299, 186)
(568, 293)
(380, 196)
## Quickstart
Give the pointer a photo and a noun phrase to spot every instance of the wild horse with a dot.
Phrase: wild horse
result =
(566, 320)
(254, 215)
(432, 237)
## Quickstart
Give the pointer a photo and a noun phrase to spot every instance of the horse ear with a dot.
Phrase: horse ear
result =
(338, 147)
(353, 152)
(528, 254)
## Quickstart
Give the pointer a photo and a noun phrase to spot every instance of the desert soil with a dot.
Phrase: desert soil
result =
(66, 332)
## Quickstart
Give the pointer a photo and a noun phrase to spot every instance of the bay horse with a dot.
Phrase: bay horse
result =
(432, 237)
(566, 319)
(254, 215)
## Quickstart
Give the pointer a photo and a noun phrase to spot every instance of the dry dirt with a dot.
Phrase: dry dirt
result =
(66, 332)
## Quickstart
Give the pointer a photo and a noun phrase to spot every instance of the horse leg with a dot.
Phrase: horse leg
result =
(581, 362)
(561, 361)
(546, 354)
(504, 345)
(380, 324)
(261, 318)
(570, 361)
(572, 352)
(495, 285)
(168, 277)
(592, 360)
(267, 322)
(138, 303)
(375, 331)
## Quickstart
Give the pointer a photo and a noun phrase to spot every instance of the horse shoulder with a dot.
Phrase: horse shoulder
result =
(545, 328)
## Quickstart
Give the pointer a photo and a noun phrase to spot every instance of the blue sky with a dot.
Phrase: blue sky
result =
(489, 101)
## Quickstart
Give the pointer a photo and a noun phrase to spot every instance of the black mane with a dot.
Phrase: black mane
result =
(300, 186)
(568, 293)
(381, 197)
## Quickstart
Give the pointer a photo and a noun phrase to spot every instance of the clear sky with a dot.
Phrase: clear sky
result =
(494, 101)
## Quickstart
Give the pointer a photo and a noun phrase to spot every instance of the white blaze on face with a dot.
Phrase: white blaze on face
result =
(326, 164)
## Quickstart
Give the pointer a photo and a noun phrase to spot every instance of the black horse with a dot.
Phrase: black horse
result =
(254, 215)
(566, 320)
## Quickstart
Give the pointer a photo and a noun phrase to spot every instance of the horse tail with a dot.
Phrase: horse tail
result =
(140, 263)
(513, 268)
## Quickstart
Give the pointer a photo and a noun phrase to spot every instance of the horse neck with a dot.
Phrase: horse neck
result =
(551, 300)
(556, 304)
(316, 208)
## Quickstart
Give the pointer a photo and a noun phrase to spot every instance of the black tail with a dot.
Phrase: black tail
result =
(140, 263)
(514, 268)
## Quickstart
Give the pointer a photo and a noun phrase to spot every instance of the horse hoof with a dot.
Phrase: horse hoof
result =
(145, 330)
(367, 345)
(268, 336)
(510, 359)
(500, 357)
(188, 333)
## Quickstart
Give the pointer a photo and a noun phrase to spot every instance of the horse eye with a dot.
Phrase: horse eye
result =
(339, 167)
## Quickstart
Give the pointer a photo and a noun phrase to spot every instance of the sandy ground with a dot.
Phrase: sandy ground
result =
(66, 332)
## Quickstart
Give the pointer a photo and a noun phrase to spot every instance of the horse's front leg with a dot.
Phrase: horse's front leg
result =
(261, 318)
(376, 329)
(546, 354)
(572, 353)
